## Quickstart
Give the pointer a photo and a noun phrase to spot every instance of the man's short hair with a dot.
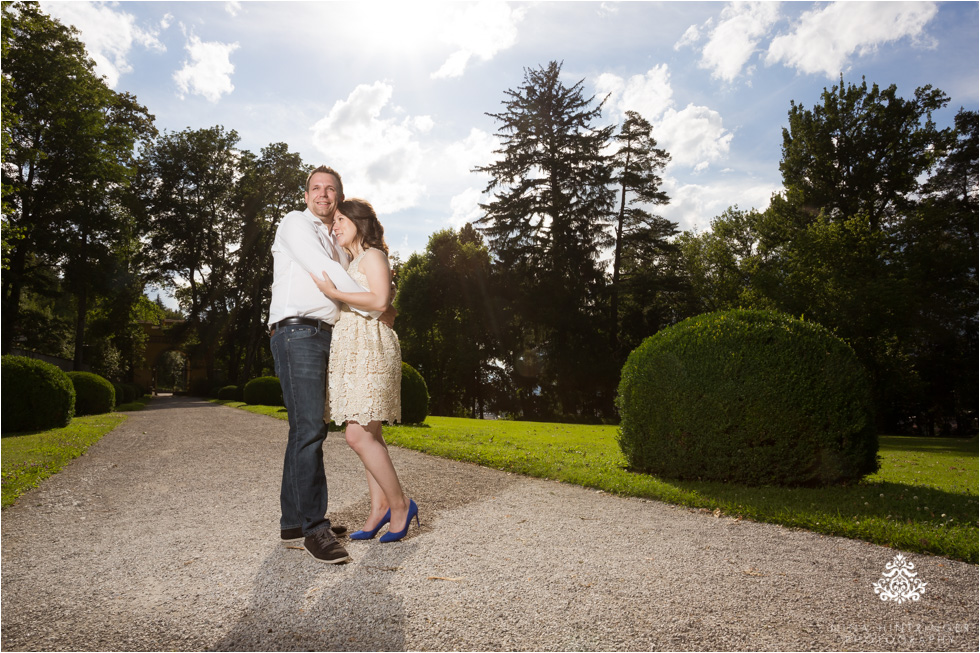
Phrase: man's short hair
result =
(329, 171)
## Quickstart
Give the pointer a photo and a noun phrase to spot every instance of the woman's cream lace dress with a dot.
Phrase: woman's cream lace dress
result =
(365, 372)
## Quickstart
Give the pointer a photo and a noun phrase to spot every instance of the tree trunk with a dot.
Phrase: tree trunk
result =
(617, 259)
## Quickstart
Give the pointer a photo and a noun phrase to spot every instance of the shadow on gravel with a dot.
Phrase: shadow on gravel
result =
(298, 603)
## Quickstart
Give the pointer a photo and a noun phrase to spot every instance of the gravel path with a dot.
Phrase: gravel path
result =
(164, 536)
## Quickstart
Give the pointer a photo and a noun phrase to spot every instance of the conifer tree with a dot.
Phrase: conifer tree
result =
(548, 217)
(638, 234)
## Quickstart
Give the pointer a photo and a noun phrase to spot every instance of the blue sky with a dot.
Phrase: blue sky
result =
(394, 94)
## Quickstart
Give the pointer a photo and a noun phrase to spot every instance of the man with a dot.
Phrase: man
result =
(300, 322)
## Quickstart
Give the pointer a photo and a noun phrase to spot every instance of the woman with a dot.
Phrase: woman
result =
(364, 387)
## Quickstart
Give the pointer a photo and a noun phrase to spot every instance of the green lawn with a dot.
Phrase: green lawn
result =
(29, 458)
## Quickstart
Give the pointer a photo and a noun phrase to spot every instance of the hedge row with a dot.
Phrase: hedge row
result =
(38, 395)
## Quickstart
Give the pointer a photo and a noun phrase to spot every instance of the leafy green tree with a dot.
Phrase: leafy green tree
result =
(8, 119)
(67, 160)
(861, 152)
(866, 240)
(719, 264)
(937, 250)
(189, 188)
(447, 321)
(852, 171)
(547, 219)
(270, 186)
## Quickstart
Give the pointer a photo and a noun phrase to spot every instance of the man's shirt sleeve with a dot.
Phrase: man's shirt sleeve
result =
(301, 243)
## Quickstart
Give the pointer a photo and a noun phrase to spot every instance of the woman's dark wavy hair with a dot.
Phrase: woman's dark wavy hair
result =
(362, 214)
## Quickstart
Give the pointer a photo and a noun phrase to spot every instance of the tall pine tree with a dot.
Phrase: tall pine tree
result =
(549, 215)
(640, 237)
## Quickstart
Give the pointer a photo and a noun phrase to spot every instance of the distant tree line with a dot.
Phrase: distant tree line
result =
(530, 312)
(874, 235)
(98, 205)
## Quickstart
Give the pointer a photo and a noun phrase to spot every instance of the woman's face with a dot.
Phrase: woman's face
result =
(345, 231)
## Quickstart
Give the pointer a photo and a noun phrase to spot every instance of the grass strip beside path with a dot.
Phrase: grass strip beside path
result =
(924, 498)
(29, 458)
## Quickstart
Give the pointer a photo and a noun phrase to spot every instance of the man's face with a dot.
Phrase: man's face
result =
(323, 196)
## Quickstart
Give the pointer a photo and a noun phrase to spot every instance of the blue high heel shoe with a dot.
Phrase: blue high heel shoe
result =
(413, 511)
(368, 535)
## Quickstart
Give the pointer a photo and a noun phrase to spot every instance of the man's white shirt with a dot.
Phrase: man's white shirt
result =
(304, 245)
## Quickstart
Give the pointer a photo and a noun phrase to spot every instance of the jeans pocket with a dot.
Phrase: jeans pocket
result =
(300, 332)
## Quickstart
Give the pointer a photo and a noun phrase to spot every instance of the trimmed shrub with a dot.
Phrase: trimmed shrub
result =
(752, 397)
(230, 393)
(94, 395)
(125, 393)
(263, 391)
(133, 392)
(415, 396)
(36, 395)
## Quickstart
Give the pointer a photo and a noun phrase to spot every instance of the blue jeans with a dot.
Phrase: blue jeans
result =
(301, 354)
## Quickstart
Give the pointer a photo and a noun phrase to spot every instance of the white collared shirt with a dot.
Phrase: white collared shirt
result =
(304, 245)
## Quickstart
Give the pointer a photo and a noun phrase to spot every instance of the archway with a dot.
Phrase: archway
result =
(161, 339)
(171, 372)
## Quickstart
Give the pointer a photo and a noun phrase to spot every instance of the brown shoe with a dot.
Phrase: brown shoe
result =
(323, 546)
(296, 534)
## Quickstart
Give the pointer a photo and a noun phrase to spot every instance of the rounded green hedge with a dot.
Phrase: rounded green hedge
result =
(415, 396)
(36, 395)
(94, 395)
(752, 397)
(230, 393)
(263, 391)
(125, 393)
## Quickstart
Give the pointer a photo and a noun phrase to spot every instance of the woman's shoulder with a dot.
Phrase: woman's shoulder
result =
(375, 256)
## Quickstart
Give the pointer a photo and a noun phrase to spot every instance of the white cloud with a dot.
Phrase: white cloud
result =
(691, 36)
(456, 165)
(824, 39)
(735, 39)
(233, 7)
(209, 70)
(695, 136)
(108, 35)
(454, 66)
(380, 157)
(480, 31)
(693, 206)
(465, 207)
(649, 95)
(608, 9)
(477, 149)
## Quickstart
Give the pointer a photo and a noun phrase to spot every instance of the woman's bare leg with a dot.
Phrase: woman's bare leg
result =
(379, 503)
(383, 484)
